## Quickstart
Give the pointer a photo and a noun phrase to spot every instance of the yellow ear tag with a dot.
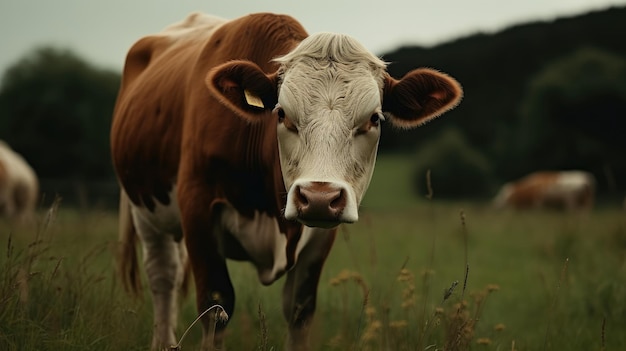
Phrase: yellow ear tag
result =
(253, 100)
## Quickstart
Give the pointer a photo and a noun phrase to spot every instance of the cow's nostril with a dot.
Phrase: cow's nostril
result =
(301, 197)
(338, 200)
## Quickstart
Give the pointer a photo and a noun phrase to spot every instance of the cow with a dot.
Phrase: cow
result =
(248, 139)
(19, 186)
(564, 190)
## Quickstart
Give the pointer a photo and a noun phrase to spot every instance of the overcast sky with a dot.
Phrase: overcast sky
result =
(102, 31)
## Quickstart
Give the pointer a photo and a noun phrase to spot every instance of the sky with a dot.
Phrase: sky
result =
(102, 31)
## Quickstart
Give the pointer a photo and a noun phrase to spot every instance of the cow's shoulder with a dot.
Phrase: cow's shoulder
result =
(257, 26)
(258, 37)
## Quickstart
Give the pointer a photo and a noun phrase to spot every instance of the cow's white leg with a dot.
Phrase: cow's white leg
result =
(163, 260)
(300, 290)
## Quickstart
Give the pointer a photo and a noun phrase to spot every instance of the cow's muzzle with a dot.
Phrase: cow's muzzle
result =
(319, 204)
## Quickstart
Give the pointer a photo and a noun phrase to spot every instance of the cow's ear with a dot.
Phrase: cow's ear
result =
(243, 87)
(421, 95)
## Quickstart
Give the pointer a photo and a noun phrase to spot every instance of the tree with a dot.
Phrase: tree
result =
(55, 109)
(573, 115)
(457, 169)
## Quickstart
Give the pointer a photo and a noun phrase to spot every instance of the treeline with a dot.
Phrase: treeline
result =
(55, 110)
(544, 95)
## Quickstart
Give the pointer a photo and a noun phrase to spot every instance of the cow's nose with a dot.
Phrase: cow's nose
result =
(319, 201)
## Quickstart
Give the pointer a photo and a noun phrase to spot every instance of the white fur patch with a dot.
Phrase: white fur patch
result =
(572, 180)
(569, 184)
(164, 218)
(262, 241)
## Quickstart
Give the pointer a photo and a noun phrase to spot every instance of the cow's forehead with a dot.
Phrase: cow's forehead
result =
(330, 72)
(340, 48)
(306, 92)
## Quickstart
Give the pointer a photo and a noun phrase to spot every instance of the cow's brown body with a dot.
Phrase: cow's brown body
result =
(569, 190)
(198, 160)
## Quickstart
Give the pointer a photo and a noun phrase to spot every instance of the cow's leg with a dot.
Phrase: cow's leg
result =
(300, 290)
(215, 289)
(163, 260)
(213, 284)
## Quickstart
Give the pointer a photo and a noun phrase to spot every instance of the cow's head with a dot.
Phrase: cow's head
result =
(329, 97)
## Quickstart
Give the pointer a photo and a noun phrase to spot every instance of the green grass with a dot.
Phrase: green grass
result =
(536, 281)
(57, 286)
(391, 183)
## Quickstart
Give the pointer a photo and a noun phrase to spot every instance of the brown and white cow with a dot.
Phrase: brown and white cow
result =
(250, 140)
(19, 186)
(569, 190)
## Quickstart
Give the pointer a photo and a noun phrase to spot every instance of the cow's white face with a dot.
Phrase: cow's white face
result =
(329, 114)
(328, 97)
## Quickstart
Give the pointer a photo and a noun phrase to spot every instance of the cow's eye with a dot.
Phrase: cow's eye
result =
(281, 114)
(282, 118)
(375, 119)
(373, 122)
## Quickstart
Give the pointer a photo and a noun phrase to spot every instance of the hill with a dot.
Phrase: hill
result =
(496, 71)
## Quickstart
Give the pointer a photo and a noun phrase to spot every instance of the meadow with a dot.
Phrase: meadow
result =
(413, 274)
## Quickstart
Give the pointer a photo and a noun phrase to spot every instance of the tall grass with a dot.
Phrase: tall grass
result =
(57, 291)
(427, 275)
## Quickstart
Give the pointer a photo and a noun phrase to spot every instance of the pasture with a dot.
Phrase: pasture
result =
(413, 274)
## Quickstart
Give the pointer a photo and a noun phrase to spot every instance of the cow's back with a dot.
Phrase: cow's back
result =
(528, 191)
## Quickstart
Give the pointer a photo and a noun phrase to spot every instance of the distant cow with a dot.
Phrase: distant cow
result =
(570, 190)
(250, 140)
(19, 186)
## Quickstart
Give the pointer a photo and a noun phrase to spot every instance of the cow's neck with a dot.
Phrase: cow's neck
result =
(262, 181)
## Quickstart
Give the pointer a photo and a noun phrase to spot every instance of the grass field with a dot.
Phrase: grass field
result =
(411, 275)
